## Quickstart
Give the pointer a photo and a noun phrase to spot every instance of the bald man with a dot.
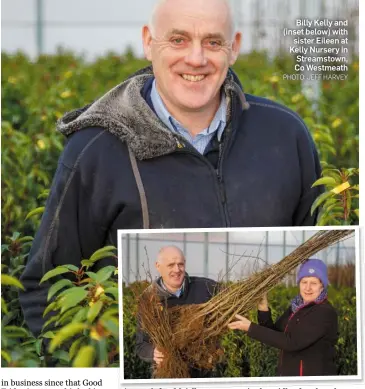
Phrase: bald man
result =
(175, 287)
(176, 145)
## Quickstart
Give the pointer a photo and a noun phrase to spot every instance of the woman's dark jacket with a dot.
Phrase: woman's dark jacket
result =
(122, 168)
(306, 338)
(197, 290)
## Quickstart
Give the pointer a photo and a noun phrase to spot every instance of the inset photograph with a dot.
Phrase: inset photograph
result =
(239, 303)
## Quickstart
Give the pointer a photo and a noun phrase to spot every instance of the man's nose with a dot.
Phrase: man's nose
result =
(195, 57)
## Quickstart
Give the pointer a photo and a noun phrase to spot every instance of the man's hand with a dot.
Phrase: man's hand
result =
(157, 356)
(242, 324)
(263, 304)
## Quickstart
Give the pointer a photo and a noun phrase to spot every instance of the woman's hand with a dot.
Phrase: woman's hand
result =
(263, 304)
(157, 356)
(242, 324)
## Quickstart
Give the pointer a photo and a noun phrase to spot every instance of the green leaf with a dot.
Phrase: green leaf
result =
(319, 200)
(350, 172)
(85, 357)
(15, 236)
(30, 363)
(57, 287)
(15, 332)
(104, 273)
(94, 311)
(356, 212)
(113, 291)
(325, 181)
(73, 298)
(109, 313)
(67, 291)
(44, 194)
(65, 333)
(4, 247)
(5, 356)
(48, 335)
(54, 272)
(112, 325)
(61, 355)
(331, 201)
(9, 317)
(4, 307)
(34, 212)
(92, 275)
(26, 239)
(11, 281)
(50, 307)
(50, 321)
(65, 318)
(87, 262)
(102, 253)
(71, 267)
(80, 315)
(334, 173)
(102, 352)
(75, 346)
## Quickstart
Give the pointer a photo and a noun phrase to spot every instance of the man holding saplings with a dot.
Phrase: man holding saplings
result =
(176, 145)
(174, 287)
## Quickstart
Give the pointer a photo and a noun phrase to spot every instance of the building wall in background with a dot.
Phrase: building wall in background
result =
(93, 27)
(223, 255)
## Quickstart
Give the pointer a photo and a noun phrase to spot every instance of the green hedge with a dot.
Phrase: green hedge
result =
(83, 330)
(35, 94)
(244, 357)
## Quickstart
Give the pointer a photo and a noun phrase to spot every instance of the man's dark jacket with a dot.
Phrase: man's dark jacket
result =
(306, 339)
(122, 168)
(196, 290)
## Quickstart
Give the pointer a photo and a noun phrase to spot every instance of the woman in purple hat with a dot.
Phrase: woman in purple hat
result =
(306, 333)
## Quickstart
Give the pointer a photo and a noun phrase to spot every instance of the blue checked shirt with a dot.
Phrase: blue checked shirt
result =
(201, 140)
(176, 293)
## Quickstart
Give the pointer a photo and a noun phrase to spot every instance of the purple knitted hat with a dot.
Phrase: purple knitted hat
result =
(313, 268)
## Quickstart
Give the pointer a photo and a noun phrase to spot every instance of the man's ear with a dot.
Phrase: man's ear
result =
(157, 265)
(147, 42)
(236, 47)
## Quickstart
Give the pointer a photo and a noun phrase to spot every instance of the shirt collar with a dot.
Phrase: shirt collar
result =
(217, 124)
(178, 292)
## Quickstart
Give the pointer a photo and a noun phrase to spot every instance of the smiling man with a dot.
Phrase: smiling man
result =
(174, 287)
(176, 145)
(191, 49)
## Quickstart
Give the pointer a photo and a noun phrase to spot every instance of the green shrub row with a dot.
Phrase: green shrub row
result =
(83, 329)
(36, 94)
(244, 357)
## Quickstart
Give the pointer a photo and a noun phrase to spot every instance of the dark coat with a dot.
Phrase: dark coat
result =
(122, 168)
(306, 339)
(197, 290)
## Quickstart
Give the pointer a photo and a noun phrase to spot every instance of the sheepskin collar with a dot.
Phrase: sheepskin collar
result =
(124, 112)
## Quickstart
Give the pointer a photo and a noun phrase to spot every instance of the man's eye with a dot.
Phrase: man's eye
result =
(214, 43)
(177, 41)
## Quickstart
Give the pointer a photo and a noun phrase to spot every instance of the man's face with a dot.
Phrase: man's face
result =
(310, 288)
(171, 266)
(191, 50)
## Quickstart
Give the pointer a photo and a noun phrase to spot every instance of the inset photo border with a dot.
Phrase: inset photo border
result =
(202, 278)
